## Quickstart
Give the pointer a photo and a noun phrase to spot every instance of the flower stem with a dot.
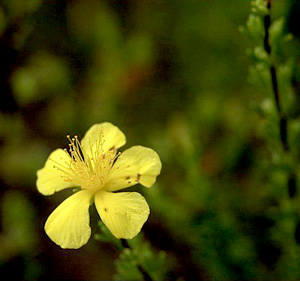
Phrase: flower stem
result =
(145, 274)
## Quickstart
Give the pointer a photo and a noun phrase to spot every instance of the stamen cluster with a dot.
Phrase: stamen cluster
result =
(88, 165)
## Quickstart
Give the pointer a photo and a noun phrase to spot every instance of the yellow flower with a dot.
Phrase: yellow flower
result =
(95, 166)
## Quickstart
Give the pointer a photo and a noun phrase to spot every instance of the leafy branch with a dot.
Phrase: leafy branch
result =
(283, 125)
(273, 73)
(137, 261)
(282, 115)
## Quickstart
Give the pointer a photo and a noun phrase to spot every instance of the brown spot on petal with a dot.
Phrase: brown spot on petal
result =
(105, 209)
(138, 177)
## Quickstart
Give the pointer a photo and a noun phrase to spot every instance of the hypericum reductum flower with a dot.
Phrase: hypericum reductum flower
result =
(95, 166)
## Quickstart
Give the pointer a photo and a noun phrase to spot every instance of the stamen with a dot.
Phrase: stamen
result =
(61, 168)
(89, 164)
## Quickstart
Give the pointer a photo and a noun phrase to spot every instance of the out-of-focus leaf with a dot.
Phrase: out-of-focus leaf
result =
(18, 235)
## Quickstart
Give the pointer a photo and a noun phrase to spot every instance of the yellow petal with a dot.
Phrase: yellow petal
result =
(137, 164)
(123, 213)
(110, 137)
(50, 179)
(68, 225)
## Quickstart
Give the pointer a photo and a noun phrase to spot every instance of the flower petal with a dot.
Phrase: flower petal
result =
(68, 225)
(124, 213)
(112, 136)
(137, 164)
(50, 179)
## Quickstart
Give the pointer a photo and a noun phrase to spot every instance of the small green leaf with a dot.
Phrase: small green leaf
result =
(255, 27)
(259, 7)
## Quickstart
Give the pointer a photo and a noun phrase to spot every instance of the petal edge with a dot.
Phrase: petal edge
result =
(137, 164)
(49, 179)
(124, 213)
(113, 137)
(68, 225)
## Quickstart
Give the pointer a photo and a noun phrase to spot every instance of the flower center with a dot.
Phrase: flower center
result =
(89, 165)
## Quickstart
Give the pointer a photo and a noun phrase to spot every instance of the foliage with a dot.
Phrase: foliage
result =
(137, 256)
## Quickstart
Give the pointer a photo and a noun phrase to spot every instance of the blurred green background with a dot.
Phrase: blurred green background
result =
(172, 75)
